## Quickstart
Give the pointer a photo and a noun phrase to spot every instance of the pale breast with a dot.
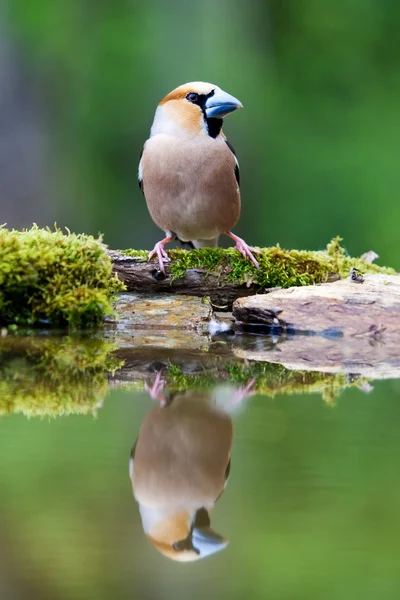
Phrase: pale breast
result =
(190, 185)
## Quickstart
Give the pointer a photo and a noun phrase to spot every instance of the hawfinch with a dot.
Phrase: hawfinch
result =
(188, 170)
(179, 467)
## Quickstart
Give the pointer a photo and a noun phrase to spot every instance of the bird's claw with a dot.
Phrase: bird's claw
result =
(161, 255)
(244, 392)
(247, 251)
(156, 391)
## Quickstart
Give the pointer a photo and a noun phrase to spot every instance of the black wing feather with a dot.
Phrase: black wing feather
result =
(237, 172)
(140, 181)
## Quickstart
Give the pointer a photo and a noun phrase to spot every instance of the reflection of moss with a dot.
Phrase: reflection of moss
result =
(52, 278)
(278, 267)
(53, 376)
(271, 379)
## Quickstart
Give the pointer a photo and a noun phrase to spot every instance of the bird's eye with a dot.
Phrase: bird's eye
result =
(192, 97)
(179, 546)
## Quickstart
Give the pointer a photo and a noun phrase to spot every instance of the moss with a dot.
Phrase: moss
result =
(48, 277)
(56, 279)
(270, 379)
(278, 267)
(54, 376)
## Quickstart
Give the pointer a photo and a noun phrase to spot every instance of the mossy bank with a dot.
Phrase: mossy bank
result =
(278, 267)
(51, 278)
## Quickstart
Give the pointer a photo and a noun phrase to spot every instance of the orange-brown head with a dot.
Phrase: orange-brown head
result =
(196, 108)
(183, 537)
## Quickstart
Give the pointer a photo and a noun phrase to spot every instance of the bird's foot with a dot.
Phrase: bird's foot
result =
(156, 391)
(160, 252)
(244, 392)
(245, 249)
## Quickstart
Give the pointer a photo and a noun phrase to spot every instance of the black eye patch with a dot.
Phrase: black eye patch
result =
(199, 99)
(213, 125)
(192, 97)
(185, 544)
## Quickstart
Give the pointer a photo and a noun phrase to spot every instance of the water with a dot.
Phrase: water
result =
(310, 509)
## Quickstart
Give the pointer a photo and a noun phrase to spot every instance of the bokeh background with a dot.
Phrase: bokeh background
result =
(318, 140)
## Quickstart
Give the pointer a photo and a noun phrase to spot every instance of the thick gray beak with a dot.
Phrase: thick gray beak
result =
(221, 104)
(207, 542)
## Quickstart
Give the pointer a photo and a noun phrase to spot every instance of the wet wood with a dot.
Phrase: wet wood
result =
(142, 276)
(341, 327)
(369, 310)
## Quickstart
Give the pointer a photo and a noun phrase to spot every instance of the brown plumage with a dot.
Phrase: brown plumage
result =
(192, 450)
(189, 173)
(180, 465)
(197, 212)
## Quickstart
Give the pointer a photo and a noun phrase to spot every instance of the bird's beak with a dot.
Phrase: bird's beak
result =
(221, 104)
(207, 542)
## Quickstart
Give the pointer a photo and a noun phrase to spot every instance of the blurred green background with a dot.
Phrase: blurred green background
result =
(318, 140)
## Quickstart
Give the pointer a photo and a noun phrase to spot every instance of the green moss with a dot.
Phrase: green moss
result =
(278, 267)
(54, 376)
(270, 379)
(48, 277)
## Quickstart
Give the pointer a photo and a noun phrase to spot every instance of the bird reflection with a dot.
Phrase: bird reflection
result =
(180, 465)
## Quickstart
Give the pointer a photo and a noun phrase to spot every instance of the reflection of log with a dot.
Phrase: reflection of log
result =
(362, 357)
(213, 361)
(144, 277)
(204, 369)
(140, 363)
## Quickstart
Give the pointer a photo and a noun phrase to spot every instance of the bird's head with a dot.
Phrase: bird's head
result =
(196, 108)
(185, 539)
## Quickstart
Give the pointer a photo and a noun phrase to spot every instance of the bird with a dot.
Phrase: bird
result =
(179, 467)
(188, 170)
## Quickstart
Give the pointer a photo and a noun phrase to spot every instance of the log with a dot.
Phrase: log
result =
(224, 276)
(142, 276)
(52, 279)
(370, 309)
(341, 327)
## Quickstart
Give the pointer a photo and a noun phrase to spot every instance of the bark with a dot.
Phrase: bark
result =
(369, 310)
(342, 327)
(144, 277)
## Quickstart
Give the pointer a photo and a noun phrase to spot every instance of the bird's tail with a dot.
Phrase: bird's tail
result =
(205, 243)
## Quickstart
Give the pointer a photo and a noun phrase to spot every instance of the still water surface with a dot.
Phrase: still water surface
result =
(310, 509)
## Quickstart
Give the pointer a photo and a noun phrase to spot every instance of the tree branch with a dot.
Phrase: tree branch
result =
(142, 276)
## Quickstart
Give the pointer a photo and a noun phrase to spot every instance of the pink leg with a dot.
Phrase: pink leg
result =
(243, 392)
(244, 249)
(156, 391)
(159, 250)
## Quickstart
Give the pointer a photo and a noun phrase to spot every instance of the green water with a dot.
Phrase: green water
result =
(311, 507)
